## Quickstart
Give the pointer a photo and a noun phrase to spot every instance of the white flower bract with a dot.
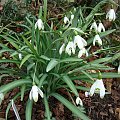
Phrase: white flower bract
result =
(39, 24)
(34, 93)
(70, 48)
(93, 26)
(79, 101)
(80, 42)
(66, 20)
(97, 39)
(111, 15)
(101, 27)
(62, 48)
(99, 87)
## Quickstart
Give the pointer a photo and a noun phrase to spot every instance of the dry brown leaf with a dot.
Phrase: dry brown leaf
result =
(117, 113)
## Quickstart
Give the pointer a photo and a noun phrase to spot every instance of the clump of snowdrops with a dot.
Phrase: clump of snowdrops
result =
(49, 59)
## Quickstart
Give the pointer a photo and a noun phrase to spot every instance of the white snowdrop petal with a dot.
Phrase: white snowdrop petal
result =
(111, 15)
(62, 48)
(66, 20)
(40, 92)
(97, 39)
(92, 89)
(79, 101)
(93, 26)
(39, 24)
(86, 94)
(30, 95)
(35, 96)
(80, 54)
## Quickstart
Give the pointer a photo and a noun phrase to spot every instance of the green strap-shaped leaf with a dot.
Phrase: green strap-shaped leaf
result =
(25, 59)
(9, 61)
(51, 65)
(70, 59)
(28, 112)
(42, 80)
(70, 84)
(22, 91)
(70, 106)
(14, 84)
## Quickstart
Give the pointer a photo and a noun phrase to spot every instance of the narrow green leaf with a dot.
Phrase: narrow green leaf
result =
(25, 59)
(28, 112)
(22, 91)
(69, 82)
(14, 84)
(9, 61)
(51, 65)
(70, 60)
(42, 80)
(70, 106)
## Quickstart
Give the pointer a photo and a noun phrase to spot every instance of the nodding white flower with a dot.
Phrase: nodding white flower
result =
(20, 56)
(98, 86)
(34, 93)
(70, 48)
(111, 15)
(87, 94)
(97, 39)
(79, 41)
(119, 69)
(81, 52)
(62, 48)
(101, 27)
(39, 24)
(79, 101)
(66, 20)
(94, 26)
(72, 17)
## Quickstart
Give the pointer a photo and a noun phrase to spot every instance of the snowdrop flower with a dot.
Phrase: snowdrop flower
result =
(66, 20)
(79, 101)
(94, 26)
(97, 39)
(111, 15)
(98, 86)
(39, 24)
(87, 94)
(79, 41)
(20, 56)
(34, 93)
(119, 69)
(100, 27)
(70, 48)
(81, 52)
